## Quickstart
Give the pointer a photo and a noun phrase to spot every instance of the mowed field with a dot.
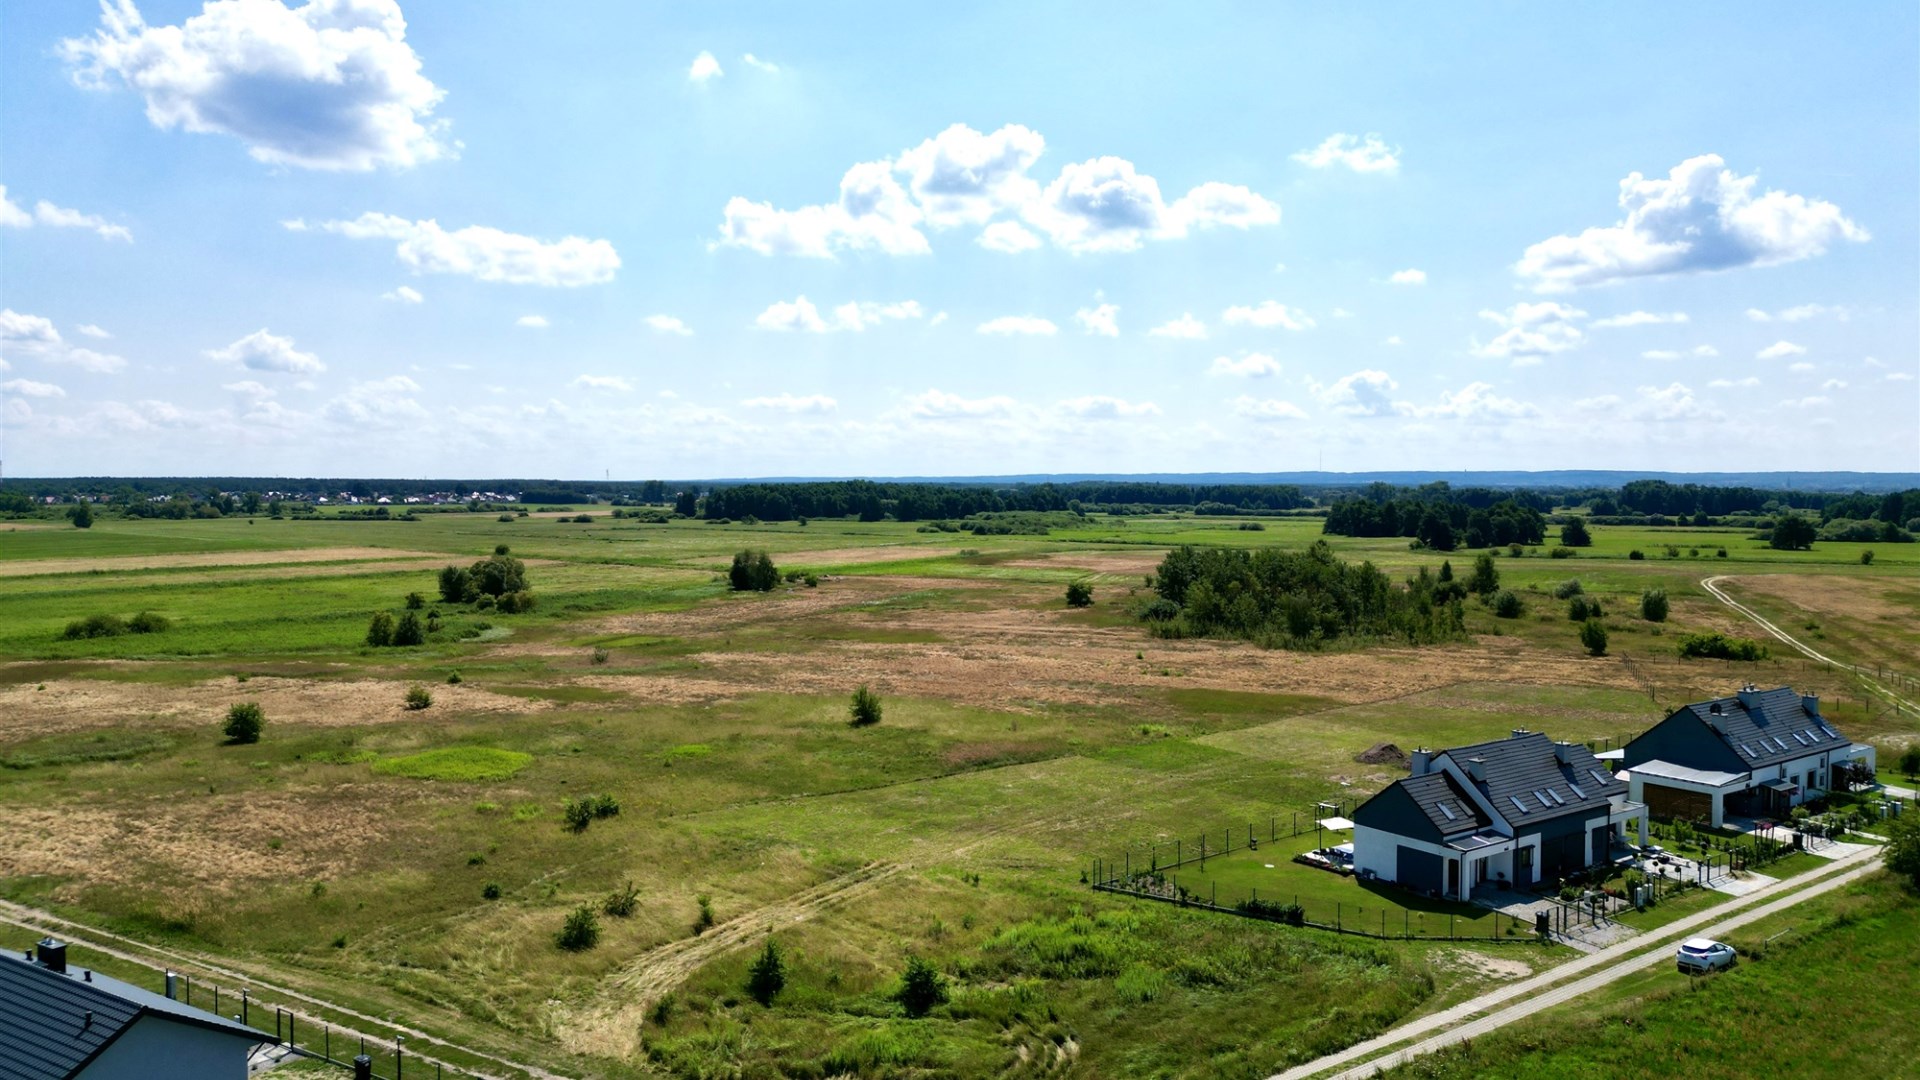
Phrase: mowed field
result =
(1021, 738)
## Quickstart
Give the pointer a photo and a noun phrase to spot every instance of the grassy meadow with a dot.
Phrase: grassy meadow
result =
(416, 863)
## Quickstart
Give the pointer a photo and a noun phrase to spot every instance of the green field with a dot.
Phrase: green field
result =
(416, 864)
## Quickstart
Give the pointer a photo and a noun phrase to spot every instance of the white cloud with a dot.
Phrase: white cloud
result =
(788, 403)
(1101, 407)
(36, 336)
(11, 216)
(1407, 277)
(767, 66)
(88, 360)
(32, 331)
(1702, 351)
(485, 253)
(1899, 376)
(603, 382)
(1640, 318)
(1701, 218)
(1799, 313)
(1474, 401)
(1267, 409)
(1006, 325)
(1672, 402)
(263, 351)
(29, 388)
(405, 294)
(1873, 362)
(1341, 313)
(1533, 331)
(1100, 320)
(1250, 366)
(1726, 384)
(331, 84)
(1368, 155)
(704, 67)
(937, 319)
(378, 403)
(1186, 326)
(248, 388)
(1800, 368)
(1269, 314)
(667, 324)
(1834, 384)
(1393, 340)
(1779, 349)
(1814, 402)
(963, 177)
(92, 331)
(58, 217)
(1363, 393)
(801, 315)
(532, 322)
(940, 405)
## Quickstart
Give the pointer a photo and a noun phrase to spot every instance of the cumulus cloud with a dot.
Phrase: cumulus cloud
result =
(789, 403)
(1800, 368)
(1899, 376)
(1702, 351)
(1474, 401)
(1640, 318)
(1250, 366)
(92, 331)
(967, 178)
(264, 351)
(1186, 326)
(1363, 393)
(1407, 277)
(1702, 217)
(378, 403)
(482, 252)
(667, 324)
(1014, 325)
(1533, 331)
(767, 66)
(1102, 407)
(1779, 349)
(1799, 313)
(36, 336)
(405, 294)
(331, 84)
(1725, 384)
(940, 405)
(704, 67)
(11, 216)
(1101, 320)
(58, 217)
(1362, 155)
(29, 331)
(1269, 314)
(801, 315)
(249, 388)
(603, 382)
(29, 388)
(532, 322)
(1666, 404)
(1393, 340)
(1834, 384)
(1267, 409)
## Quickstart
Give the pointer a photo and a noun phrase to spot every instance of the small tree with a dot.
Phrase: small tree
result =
(1079, 594)
(753, 571)
(767, 975)
(1446, 570)
(1653, 605)
(621, 902)
(1593, 635)
(415, 601)
(380, 630)
(921, 987)
(1792, 532)
(455, 584)
(81, 515)
(1910, 761)
(1574, 533)
(1507, 604)
(244, 721)
(1866, 558)
(409, 631)
(418, 698)
(1486, 577)
(581, 930)
(865, 709)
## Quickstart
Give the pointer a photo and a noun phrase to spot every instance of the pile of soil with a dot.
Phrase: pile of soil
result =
(1382, 754)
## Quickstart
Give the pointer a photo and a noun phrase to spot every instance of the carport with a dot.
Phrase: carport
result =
(1675, 791)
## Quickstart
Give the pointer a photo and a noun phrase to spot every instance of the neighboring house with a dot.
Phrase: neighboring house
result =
(1759, 752)
(58, 1023)
(1516, 811)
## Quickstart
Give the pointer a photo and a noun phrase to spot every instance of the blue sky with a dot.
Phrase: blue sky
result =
(725, 240)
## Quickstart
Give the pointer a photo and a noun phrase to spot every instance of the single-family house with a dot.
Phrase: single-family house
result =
(1516, 811)
(71, 1023)
(1759, 752)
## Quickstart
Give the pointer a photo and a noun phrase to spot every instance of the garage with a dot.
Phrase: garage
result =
(1672, 802)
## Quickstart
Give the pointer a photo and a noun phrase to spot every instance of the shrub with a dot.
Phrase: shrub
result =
(1161, 610)
(1653, 605)
(580, 932)
(812, 580)
(1636, 555)
(409, 631)
(753, 571)
(1579, 610)
(1568, 588)
(600, 655)
(921, 987)
(504, 517)
(1079, 594)
(453, 678)
(455, 585)
(1507, 604)
(1574, 533)
(244, 721)
(1720, 553)
(485, 603)
(1291, 914)
(491, 891)
(605, 806)
(95, 626)
(1486, 577)
(865, 708)
(1562, 553)
(621, 902)
(767, 975)
(578, 814)
(418, 698)
(81, 515)
(1714, 645)
(703, 921)
(1910, 761)
(583, 519)
(1593, 636)
(518, 602)
(148, 623)
(415, 601)
(380, 630)
(1866, 558)
(1792, 532)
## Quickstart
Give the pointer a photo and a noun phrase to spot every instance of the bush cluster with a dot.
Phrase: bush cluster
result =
(99, 626)
(1653, 605)
(583, 811)
(1079, 594)
(1714, 645)
(580, 932)
(753, 571)
(244, 721)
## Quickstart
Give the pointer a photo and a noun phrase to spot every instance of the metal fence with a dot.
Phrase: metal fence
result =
(1384, 921)
(1161, 854)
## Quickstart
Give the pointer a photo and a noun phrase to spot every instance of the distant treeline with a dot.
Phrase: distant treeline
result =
(872, 501)
(1442, 517)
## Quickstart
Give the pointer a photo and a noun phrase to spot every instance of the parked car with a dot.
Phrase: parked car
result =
(1698, 956)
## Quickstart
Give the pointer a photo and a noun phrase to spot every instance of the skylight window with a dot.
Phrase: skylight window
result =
(1517, 804)
(1598, 777)
(1577, 793)
(1447, 811)
(1831, 734)
(1555, 796)
(1801, 739)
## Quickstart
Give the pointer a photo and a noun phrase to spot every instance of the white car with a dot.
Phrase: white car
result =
(1700, 955)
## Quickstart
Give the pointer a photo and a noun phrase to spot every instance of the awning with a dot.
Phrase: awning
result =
(1781, 786)
(1336, 823)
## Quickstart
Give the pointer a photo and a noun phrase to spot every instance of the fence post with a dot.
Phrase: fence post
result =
(1337, 920)
(1406, 924)
(243, 1005)
(1450, 934)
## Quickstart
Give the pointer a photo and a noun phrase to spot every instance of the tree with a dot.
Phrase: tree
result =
(418, 698)
(1792, 532)
(409, 631)
(250, 503)
(753, 571)
(415, 601)
(1507, 604)
(1653, 605)
(1593, 635)
(767, 975)
(1574, 533)
(1486, 577)
(1079, 594)
(581, 930)
(455, 584)
(1903, 847)
(922, 987)
(244, 721)
(865, 709)
(686, 504)
(1910, 761)
(1446, 570)
(380, 630)
(81, 515)
(499, 574)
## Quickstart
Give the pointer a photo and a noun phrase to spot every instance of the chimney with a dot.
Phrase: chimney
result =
(1811, 703)
(1477, 768)
(1422, 761)
(53, 955)
(1750, 698)
(1520, 733)
(1563, 752)
(173, 986)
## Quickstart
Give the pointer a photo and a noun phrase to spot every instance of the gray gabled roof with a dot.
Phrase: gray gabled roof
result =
(1778, 727)
(1526, 783)
(1444, 802)
(45, 1033)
